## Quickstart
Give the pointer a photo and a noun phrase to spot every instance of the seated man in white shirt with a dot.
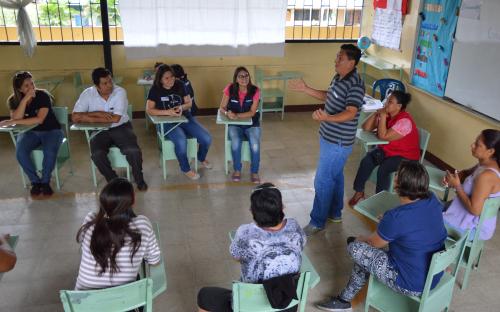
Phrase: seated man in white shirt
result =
(107, 103)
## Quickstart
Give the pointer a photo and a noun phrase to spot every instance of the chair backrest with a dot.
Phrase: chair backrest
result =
(386, 86)
(490, 210)
(61, 113)
(129, 111)
(252, 297)
(423, 138)
(120, 298)
(77, 79)
(157, 272)
(441, 260)
(148, 73)
(13, 241)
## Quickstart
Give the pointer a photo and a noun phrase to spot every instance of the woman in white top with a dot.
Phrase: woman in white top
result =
(115, 240)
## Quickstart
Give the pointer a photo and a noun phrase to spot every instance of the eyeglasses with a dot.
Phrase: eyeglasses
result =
(243, 76)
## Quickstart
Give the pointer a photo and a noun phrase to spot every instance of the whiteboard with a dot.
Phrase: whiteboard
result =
(474, 76)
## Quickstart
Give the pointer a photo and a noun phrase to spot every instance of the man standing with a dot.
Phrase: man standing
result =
(107, 103)
(338, 122)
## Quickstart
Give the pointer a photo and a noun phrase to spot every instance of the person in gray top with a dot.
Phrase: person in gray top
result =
(338, 122)
(270, 247)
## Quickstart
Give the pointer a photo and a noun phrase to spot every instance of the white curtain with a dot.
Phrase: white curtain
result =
(203, 28)
(25, 32)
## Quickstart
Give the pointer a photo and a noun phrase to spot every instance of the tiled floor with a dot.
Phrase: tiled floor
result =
(194, 218)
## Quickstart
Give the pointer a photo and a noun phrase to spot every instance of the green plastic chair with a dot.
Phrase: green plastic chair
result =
(114, 299)
(424, 137)
(269, 93)
(13, 243)
(167, 151)
(147, 73)
(436, 177)
(252, 297)
(157, 273)
(78, 83)
(245, 151)
(63, 154)
(474, 248)
(116, 158)
(383, 298)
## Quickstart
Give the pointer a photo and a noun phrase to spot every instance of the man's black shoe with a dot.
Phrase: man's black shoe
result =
(46, 189)
(36, 189)
(142, 186)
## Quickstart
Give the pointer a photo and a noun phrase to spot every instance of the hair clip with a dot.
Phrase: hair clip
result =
(265, 188)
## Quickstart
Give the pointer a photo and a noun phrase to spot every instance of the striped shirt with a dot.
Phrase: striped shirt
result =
(88, 275)
(348, 91)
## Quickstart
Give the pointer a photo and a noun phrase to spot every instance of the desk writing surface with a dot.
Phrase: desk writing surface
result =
(378, 63)
(167, 119)
(144, 82)
(90, 126)
(376, 205)
(224, 120)
(17, 128)
(290, 74)
(369, 138)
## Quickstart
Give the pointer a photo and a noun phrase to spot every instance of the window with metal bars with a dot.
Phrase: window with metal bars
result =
(80, 20)
(64, 21)
(323, 20)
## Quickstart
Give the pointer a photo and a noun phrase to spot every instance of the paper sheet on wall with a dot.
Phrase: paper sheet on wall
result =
(478, 21)
(387, 27)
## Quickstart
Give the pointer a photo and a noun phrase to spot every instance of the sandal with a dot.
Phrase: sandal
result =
(255, 178)
(353, 201)
(236, 177)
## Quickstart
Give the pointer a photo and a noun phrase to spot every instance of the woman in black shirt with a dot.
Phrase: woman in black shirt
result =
(168, 97)
(30, 106)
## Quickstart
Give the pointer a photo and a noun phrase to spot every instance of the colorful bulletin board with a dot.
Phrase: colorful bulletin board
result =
(438, 21)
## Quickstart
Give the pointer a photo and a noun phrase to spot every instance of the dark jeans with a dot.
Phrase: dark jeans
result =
(28, 141)
(373, 159)
(124, 138)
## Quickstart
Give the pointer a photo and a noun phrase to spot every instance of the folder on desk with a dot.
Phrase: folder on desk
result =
(371, 104)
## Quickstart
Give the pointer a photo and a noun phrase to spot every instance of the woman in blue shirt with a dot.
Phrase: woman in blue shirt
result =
(240, 99)
(168, 97)
(414, 231)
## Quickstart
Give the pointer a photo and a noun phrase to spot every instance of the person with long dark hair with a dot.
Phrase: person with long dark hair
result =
(168, 97)
(393, 124)
(31, 106)
(114, 241)
(240, 99)
(474, 185)
(412, 231)
(180, 74)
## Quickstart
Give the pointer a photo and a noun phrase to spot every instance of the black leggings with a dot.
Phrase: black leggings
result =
(387, 165)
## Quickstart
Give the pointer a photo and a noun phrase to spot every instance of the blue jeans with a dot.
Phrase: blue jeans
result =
(237, 134)
(179, 136)
(28, 141)
(329, 182)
